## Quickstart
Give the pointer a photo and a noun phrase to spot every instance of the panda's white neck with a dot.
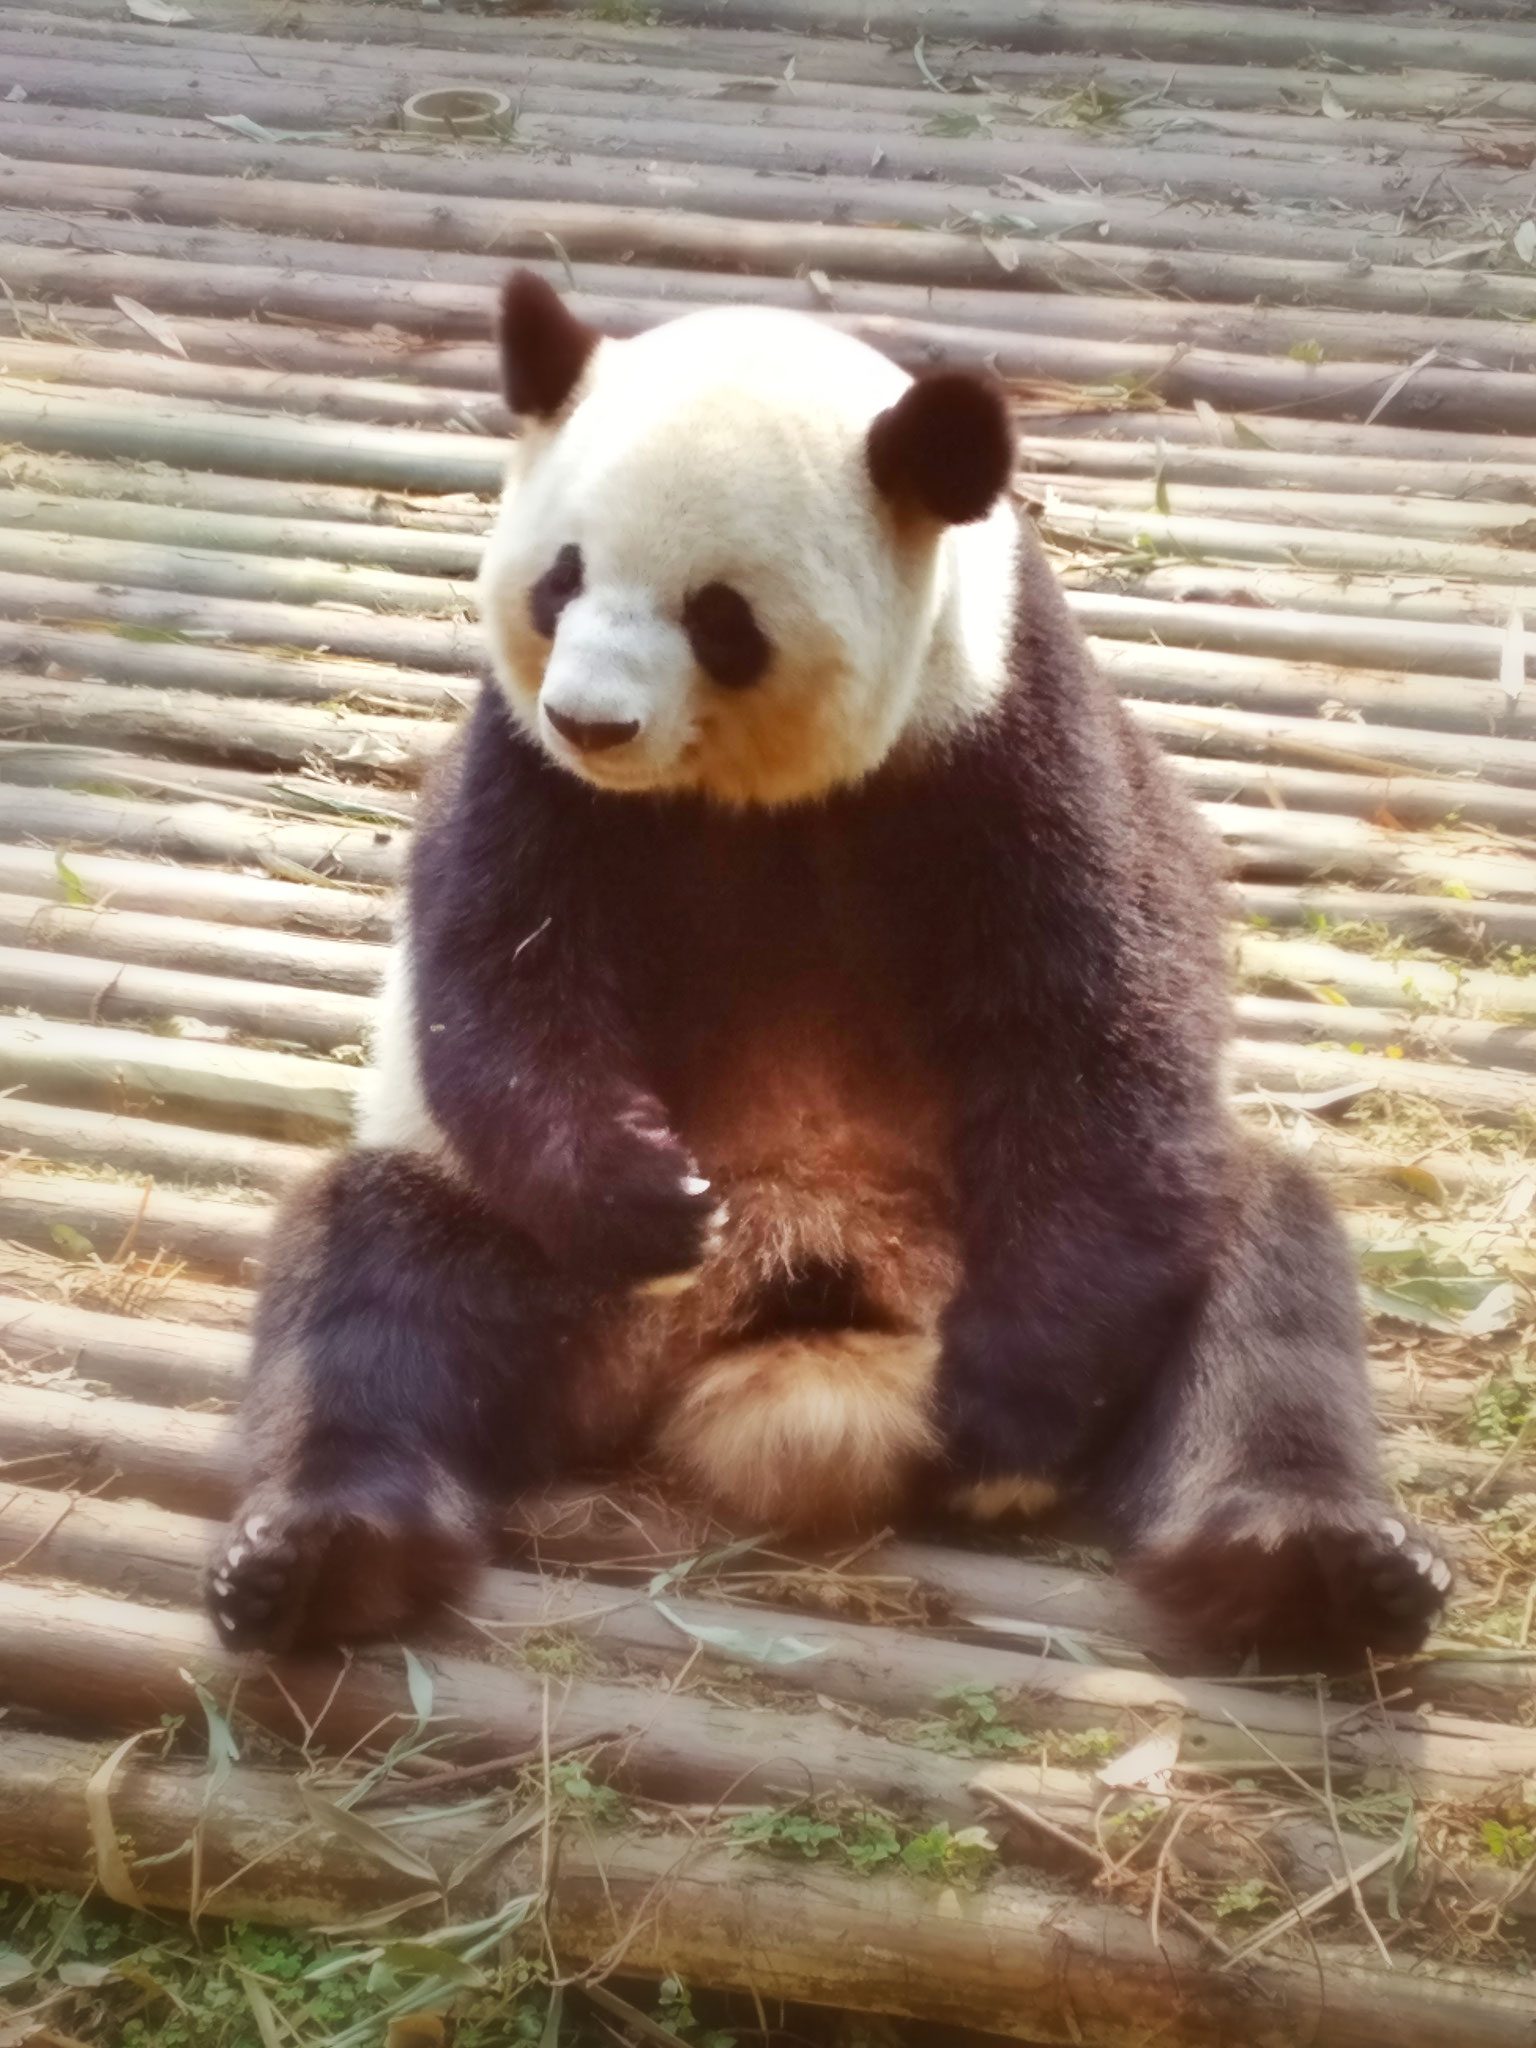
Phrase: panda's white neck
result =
(976, 599)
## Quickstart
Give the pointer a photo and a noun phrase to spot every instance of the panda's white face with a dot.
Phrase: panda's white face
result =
(693, 583)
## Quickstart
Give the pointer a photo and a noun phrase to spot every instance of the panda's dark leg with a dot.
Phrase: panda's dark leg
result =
(1246, 1493)
(404, 1379)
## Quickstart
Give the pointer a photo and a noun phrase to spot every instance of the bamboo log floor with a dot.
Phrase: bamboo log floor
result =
(1262, 280)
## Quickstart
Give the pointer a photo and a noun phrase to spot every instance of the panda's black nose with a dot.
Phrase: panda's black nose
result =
(593, 738)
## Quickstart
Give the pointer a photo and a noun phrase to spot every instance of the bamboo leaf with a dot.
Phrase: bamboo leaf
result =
(15, 1968)
(263, 2012)
(419, 1681)
(112, 1872)
(71, 1242)
(162, 12)
(75, 894)
(426, 1959)
(1525, 241)
(749, 1645)
(364, 1835)
(156, 328)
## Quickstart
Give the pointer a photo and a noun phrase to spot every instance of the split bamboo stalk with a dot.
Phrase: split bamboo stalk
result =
(1452, 481)
(192, 722)
(1276, 1070)
(1443, 599)
(60, 985)
(1011, 1958)
(369, 547)
(194, 946)
(1306, 845)
(1237, 695)
(201, 832)
(211, 572)
(250, 901)
(372, 401)
(1341, 553)
(155, 483)
(310, 450)
(1416, 801)
(275, 1094)
(423, 643)
(43, 764)
(1281, 434)
(164, 662)
(143, 1358)
(1433, 647)
(1415, 985)
(1421, 517)
(1459, 1038)
(663, 237)
(163, 1152)
(1454, 925)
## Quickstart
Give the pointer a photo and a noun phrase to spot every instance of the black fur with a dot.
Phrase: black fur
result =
(1151, 1314)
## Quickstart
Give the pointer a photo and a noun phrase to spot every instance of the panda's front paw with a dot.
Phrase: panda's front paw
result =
(650, 1218)
(1306, 1585)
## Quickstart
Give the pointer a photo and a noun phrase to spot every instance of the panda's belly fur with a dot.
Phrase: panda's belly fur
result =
(792, 1383)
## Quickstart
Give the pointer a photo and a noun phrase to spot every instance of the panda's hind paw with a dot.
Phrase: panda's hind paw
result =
(1307, 1585)
(305, 1569)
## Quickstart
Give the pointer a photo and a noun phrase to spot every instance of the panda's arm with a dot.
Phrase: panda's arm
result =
(527, 1057)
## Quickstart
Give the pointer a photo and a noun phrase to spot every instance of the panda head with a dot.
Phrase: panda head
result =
(742, 555)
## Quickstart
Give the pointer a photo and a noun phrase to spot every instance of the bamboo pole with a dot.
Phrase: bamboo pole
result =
(423, 643)
(253, 902)
(1233, 700)
(159, 1151)
(1435, 647)
(1415, 801)
(313, 451)
(1459, 1038)
(1443, 599)
(155, 483)
(182, 721)
(1277, 1071)
(112, 992)
(1303, 845)
(191, 946)
(1162, 452)
(104, 656)
(201, 832)
(1339, 441)
(1011, 1958)
(372, 401)
(1454, 925)
(403, 549)
(274, 1094)
(147, 1360)
(42, 764)
(1427, 517)
(210, 572)
(1415, 985)
(1340, 553)
(667, 237)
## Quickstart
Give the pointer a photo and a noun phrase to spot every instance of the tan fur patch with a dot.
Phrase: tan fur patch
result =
(809, 1430)
(989, 1500)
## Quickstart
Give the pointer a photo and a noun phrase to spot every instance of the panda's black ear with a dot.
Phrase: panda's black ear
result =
(945, 448)
(544, 347)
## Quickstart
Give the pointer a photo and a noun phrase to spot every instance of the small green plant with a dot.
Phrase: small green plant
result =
(556, 1652)
(570, 1782)
(962, 1858)
(1510, 1842)
(788, 1832)
(1305, 351)
(1500, 1412)
(1253, 1895)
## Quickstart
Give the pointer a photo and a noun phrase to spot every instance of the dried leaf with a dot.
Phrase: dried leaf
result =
(1419, 1181)
(17, 92)
(747, 1644)
(1333, 106)
(1003, 254)
(821, 285)
(364, 1835)
(162, 12)
(255, 131)
(156, 328)
(15, 1968)
(1494, 1313)
(1146, 1764)
(85, 1976)
(112, 1872)
(418, 1680)
(632, 2017)
(922, 64)
(1525, 241)
(1210, 420)
(71, 1242)
(426, 1959)
(262, 2011)
(501, 1838)
(75, 893)
(416, 2030)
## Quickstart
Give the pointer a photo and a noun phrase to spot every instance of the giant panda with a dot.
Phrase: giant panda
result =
(801, 1063)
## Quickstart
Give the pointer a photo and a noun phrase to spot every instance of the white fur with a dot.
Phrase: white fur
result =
(730, 446)
(392, 1108)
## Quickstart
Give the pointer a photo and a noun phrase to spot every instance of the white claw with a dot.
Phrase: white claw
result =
(1421, 1559)
(1440, 1575)
(236, 1553)
(222, 1587)
(668, 1284)
(257, 1527)
(695, 1184)
(224, 1621)
(720, 1217)
(1394, 1531)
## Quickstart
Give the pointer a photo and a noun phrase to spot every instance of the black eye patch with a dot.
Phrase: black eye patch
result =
(561, 581)
(728, 643)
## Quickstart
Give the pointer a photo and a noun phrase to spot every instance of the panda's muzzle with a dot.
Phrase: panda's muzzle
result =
(592, 736)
